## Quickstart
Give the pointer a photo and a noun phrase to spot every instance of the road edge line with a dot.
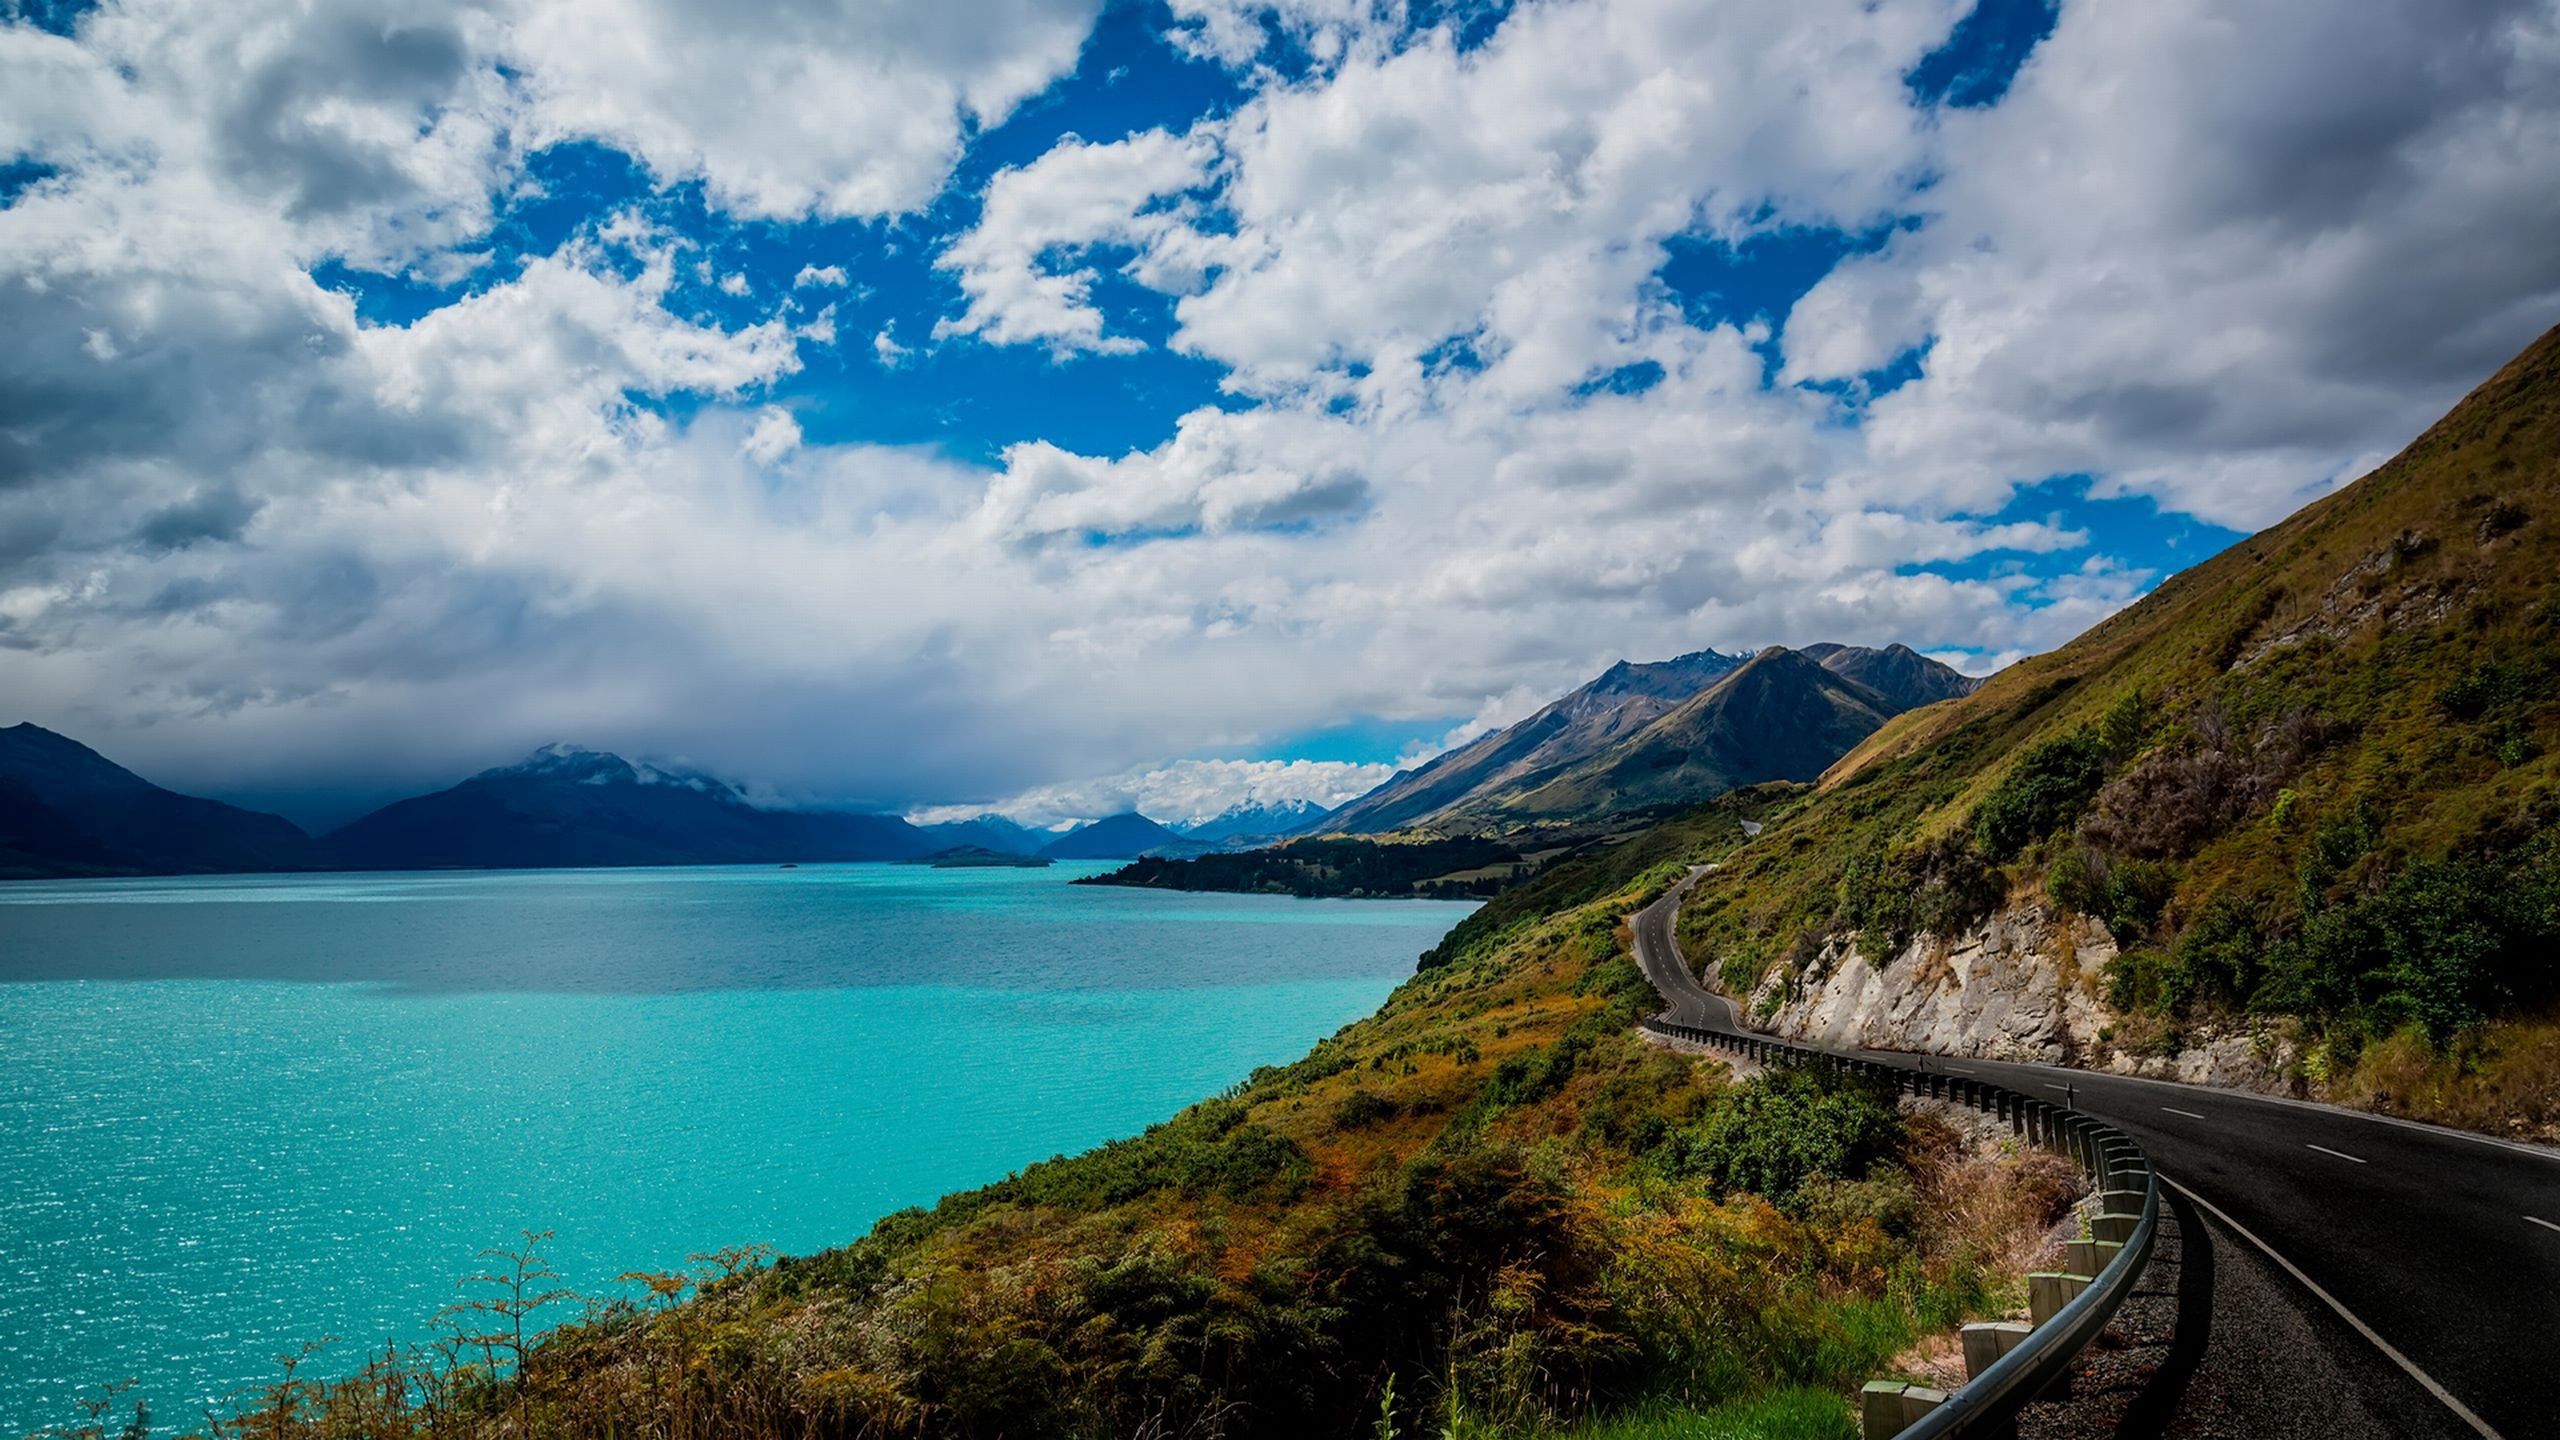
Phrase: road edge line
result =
(2433, 1387)
(2317, 1107)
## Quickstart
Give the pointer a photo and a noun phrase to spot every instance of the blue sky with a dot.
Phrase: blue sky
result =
(1017, 402)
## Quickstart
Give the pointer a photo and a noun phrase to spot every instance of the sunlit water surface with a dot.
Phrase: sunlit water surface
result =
(238, 1114)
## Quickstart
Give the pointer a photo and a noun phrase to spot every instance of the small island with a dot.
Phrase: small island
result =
(979, 857)
(1339, 866)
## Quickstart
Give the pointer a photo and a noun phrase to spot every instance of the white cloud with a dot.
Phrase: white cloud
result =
(2225, 257)
(786, 109)
(1516, 196)
(775, 435)
(827, 276)
(1070, 200)
(1181, 792)
(243, 534)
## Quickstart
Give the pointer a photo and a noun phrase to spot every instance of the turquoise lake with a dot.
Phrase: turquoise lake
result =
(242, 1113)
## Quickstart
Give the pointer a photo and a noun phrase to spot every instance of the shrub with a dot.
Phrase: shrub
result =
(2126, 896)
(2444, 946)
(1621, 982)
(2483, 686)
(1363, 1108)
(1937, 887)
(2179, 796)
(2218, 960)
(1788, 1126)
(2049, 787)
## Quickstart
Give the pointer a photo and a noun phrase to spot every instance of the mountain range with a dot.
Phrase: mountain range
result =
(1641, 736)
(66, 810)
(1637, 737)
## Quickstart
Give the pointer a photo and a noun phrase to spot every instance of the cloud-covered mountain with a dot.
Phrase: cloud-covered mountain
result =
(66, 809)
(565, 806)
(1255, 823)
(991, 832)
(1642, 736)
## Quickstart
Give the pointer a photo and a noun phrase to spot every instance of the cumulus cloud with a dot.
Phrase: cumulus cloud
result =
(787, 109)
(2217, 257)
(1064, 204)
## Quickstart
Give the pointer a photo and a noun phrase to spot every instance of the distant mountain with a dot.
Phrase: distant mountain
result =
(67, 810)
(986, 832)
(1124, 836)
(1905, 678)
(1624, 699)
(1643, 736)
(571, 807)
(1256, 823)
(1784, 716)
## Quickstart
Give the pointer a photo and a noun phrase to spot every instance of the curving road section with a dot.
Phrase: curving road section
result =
(2429, 1258)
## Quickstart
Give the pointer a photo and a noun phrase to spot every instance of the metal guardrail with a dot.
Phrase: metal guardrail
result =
(1988, 1403)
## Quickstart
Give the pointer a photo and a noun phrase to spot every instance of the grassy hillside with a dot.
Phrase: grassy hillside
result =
(1488, 1209)
(2310, 783)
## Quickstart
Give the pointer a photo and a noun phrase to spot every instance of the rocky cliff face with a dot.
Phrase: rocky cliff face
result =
(2023, 985)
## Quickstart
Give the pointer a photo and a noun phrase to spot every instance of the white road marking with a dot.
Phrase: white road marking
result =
(2174, 1110)
(2058, 1087)
(2545, 1224)
(2441, 1132)
(2361, 1328)
(2341, 1154)
(1957, 1070)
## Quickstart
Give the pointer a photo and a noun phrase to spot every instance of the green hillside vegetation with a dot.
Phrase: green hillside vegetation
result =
(1434, 867)
(1491, 1208)
(2310, 783)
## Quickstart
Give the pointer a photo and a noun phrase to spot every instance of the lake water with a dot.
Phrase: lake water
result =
(240, 1113)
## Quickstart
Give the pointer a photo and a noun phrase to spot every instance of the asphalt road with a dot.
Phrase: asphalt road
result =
(2439, 1250)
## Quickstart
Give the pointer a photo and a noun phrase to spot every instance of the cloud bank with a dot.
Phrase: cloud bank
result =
(335, 449)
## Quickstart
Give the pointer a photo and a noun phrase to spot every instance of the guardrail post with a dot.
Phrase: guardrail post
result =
(1988, 1340)
(2114, 1225)
(1880, 1410)
(2049, 1290)
(2090, 1257)
(1919, 1400)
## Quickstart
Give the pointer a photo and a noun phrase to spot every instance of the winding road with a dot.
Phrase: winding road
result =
(2422, 1264)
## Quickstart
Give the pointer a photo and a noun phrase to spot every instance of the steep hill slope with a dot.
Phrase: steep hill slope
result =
(1621, 700)
(65, 809)
(2288, 818)
(569, 807)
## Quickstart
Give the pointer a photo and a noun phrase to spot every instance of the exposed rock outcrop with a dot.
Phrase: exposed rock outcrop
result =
(2023, 985)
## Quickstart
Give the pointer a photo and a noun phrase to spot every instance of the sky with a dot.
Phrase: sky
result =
(950, 404)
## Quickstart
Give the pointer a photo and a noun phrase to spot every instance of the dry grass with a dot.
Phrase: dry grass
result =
(2505, 1080)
